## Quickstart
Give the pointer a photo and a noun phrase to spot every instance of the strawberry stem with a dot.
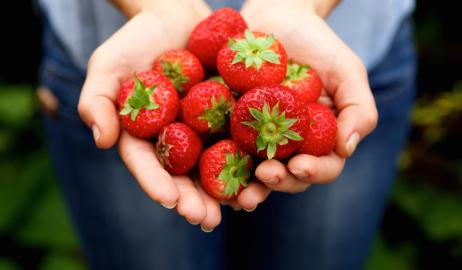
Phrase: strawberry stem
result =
(217, 115)
(253, 51)
(295, 72)
(140, 98)
(174, 72)
(235, 172)
(273, 128)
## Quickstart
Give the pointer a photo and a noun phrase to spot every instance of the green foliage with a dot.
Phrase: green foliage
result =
(397, 258)
(17, 105)
(32, 213)
(430, 114)
(7, 264)
(438, 213)
(60, 260)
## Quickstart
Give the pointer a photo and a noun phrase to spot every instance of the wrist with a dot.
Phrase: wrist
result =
(324, 7)
(184, 8)
(321, 8)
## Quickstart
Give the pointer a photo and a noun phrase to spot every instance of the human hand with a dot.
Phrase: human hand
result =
(308, 39)
(153, 30)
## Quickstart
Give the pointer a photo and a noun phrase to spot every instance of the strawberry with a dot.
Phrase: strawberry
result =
(304, 81)
(218, 79)
(322, 131)
(178, 148)
(224, 170)
(250, 60)
(147, 102)
(271, 118)
(182, 68)
(207, 106)
(211, 34)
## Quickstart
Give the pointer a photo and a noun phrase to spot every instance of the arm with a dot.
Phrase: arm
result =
(310, 40)
(154, 27)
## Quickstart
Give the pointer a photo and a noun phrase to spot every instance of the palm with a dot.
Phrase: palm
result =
(308, 39)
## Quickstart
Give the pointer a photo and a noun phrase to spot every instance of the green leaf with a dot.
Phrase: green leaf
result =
(128, 109)
(261, 144)
(289, 122)
(140, 98)
(271, 151)
(256, 114)
(253, 124)
(253, 51)
(134, 114)
(270, 56)
(290, 134)
(249, 36)
(267, 42)
(152, 106)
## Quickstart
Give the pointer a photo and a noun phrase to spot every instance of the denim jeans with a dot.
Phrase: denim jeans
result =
(327, 227)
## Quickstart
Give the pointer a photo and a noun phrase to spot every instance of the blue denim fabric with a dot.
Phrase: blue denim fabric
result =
(327, 227)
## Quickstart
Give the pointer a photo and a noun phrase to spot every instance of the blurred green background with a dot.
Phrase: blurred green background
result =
(422, 226)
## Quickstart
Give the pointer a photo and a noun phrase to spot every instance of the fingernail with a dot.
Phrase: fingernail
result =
(250, 210)
(236, 208)
(352, 143)
(169, 206)
(206, 230)
(272, 181)
(192, 223)
(96, 132)
(302, 175)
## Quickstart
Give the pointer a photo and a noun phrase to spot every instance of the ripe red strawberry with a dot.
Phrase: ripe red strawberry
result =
(271, 118)
(178, 148)
(304, 81)
(207, 106)
(147, 102)
(224, 170)
(212, 33)
(182, 68)
(250, 60)
(322, 131)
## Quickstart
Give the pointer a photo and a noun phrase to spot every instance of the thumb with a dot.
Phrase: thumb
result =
(96, 108)
(357, 116)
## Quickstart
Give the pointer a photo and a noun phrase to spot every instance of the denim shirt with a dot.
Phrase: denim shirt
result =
(367, 26)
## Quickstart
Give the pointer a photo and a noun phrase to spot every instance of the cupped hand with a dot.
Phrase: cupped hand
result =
(309, 40)
(134, 48)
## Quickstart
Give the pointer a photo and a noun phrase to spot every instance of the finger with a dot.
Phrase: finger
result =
(357, 115)
(96, 106)
(213, 217)
(190, 204)
(139, 157)
(276, 176)
(254, 194)
(316, 170)
(326, 100)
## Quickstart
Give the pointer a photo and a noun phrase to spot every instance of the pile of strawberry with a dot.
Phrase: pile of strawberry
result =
(261, 106)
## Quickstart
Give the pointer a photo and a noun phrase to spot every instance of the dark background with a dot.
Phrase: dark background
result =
(422, 226)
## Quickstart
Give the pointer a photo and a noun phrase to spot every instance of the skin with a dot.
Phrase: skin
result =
(308, 39)
(157, 26)
(161, 25)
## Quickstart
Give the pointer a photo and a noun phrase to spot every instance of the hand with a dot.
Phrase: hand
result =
(134, 48)
(308, 39)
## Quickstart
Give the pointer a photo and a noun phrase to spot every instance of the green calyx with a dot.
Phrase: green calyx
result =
(174, 72)
(253, 51)
(140, 98)
(235, 172)
(219, 79)
(217, 115)
(295, 72)
(273, 128)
